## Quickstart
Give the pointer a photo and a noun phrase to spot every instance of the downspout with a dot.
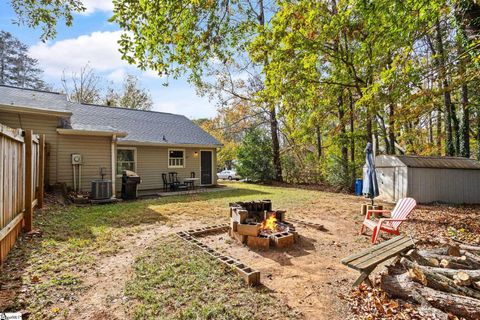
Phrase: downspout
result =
(114, 140)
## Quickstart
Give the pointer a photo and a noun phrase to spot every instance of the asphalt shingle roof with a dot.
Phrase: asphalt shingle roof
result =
(18, 97)
(140, 126)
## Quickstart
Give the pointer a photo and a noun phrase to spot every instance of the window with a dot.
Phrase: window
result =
(125, 160)
(176, 158)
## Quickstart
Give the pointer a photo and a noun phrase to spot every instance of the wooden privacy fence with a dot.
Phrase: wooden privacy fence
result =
(21, 183)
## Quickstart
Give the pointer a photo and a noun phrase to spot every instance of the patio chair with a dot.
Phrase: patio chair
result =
(166, 184)
(390, 225)
(191, 184)
(176, 184)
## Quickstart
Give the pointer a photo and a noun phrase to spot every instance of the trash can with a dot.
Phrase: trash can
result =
(358, 187)
(130, 181)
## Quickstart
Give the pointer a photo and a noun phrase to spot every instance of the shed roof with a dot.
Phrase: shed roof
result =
(428, 162)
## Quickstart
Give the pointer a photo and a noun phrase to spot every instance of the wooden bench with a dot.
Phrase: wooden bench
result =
(367, 260)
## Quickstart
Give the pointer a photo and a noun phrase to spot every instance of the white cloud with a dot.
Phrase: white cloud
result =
(97, 5)
(99, 49)
(117, 75)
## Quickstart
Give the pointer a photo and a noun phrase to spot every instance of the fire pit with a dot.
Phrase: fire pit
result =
(258, 226)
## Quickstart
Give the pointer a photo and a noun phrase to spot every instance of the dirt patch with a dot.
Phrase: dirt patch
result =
(308, 275)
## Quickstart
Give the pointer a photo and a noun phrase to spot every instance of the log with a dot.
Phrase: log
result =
(467, 246)
(415, 256)
(476, 285)
(462, 262)
(462, 279)
(453, 264)
(436, 281)
(432, 302)
(453, 250)
(473, 274)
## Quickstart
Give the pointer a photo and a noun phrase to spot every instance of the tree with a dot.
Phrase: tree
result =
(178, 37)
(131, 96)
(255, 156)
(83, 87)
(17, 68)
(45, 14)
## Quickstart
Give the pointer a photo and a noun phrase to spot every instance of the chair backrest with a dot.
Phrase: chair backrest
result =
(192, 174)
(173, 177)
(164, 178)
(401, 211)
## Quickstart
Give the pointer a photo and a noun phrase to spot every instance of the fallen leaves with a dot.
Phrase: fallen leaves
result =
(372, 303)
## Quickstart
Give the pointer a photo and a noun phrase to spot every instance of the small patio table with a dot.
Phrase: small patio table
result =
(191, 180)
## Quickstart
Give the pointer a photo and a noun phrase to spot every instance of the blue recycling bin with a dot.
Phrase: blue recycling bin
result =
(358, 187)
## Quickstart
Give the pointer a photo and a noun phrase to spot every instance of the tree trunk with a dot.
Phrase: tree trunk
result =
(444, 86)
(465, 132)
(343, 134)
(352, 139)
(391, 129)
(478, 134)
(319, 142)
(277, 165)
(439, 132)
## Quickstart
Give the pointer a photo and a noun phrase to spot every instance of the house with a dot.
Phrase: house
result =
(428, 179)
(110, 140)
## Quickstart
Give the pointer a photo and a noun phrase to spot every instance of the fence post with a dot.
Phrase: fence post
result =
(28, 181)
(41, 170)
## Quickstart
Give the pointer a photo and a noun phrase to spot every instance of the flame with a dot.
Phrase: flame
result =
(270, 223)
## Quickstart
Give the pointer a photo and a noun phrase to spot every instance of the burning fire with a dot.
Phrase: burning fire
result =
(270, 223)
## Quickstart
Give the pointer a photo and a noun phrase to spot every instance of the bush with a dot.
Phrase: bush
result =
(255, 156)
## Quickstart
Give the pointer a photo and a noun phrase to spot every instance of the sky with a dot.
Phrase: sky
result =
(93, 40)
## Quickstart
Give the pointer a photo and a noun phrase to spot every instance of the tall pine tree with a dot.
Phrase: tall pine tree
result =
(17, 68)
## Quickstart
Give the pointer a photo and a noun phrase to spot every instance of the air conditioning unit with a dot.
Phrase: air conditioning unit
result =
(101, 189)
(76, 158)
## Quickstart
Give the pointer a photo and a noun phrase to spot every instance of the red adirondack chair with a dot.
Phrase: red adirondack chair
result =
(397, 216)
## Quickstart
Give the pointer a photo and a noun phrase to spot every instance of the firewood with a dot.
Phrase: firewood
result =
(473, 257)
(476, 285)
(432, 301)
(462, 279)
(466, 246)
(462, 262)
(470, 247)
(453, 264)
(473, 274)
(438, 281)
(453, 250)
(413, 255)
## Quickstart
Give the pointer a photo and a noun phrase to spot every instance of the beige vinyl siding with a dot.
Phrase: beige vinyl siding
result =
(152, 161)
(40, 124)
(96, 153)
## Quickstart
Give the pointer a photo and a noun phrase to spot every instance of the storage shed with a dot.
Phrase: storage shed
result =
(428, 179)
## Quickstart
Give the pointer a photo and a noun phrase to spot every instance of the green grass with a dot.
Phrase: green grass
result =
(174, 280)
(47, 270)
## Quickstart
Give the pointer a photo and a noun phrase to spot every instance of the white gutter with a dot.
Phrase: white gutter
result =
(160, 144)
(31, 110)
(74, 132)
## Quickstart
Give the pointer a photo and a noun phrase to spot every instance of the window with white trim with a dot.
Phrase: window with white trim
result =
(125, 160)
(176, 158)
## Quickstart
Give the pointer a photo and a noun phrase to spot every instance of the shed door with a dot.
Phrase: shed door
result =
(206, 167)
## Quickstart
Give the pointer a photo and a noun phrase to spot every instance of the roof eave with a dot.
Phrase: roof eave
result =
(166, 144)
(33, 110)
(97, 133)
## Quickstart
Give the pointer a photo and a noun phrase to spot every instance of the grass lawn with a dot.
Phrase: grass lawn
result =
(47, 274)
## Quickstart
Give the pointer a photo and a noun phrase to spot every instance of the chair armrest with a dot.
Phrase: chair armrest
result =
(383, 220)
(369, 212)
(390, 219)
